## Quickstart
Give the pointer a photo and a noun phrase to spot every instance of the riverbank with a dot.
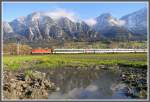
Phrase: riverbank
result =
(27, 85)
(93, 82)
(136, 81)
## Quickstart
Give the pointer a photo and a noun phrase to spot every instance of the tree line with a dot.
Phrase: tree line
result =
(15, 49)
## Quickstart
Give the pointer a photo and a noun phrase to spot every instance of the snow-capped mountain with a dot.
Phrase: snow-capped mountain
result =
(19, 25)
(7, 28)
(104, 21)
(110, 27)
(136, 22)
(39, 25)
(9, 33)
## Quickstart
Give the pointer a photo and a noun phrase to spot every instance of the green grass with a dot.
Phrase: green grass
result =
(60, 60)
(28, 73)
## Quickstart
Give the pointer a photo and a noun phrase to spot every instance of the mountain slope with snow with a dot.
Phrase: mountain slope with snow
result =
(41, 26)
(136, 22)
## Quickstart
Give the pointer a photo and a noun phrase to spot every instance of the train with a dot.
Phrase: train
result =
(78, 51)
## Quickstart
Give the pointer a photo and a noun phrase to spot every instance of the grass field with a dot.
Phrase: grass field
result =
(61, 60)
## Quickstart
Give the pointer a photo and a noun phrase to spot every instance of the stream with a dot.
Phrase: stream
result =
(90, 83)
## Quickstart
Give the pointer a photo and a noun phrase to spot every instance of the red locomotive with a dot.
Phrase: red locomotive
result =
(41, 51)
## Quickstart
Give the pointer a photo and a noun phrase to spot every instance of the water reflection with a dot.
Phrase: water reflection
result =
(87, 83)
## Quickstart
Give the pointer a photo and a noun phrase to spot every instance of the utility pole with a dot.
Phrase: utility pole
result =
(18, 44)
(61, 40)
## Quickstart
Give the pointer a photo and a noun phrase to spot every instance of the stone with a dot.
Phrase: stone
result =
(6, 87)
(24, 85)
(47, 84)
(36, 87)
(57, 89)
(97, 67)
(39, 75)
(27, 78)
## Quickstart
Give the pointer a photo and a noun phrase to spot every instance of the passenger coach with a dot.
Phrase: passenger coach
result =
(98, 50)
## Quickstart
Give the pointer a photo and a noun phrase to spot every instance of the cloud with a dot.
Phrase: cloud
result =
(121, 22)
(117, 22)
(58, 13)
(91, 21)
(92, 88)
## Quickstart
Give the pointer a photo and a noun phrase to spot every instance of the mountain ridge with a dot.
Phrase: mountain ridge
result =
(39, 26)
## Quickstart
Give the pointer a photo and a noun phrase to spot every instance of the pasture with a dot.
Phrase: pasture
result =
(62, 60)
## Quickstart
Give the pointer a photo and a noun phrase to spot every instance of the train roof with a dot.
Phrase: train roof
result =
(101, 49)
